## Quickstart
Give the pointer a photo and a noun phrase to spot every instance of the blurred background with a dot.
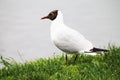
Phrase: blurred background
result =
(23, 34)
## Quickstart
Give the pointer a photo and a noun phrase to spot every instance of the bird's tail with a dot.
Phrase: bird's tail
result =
(98, 50)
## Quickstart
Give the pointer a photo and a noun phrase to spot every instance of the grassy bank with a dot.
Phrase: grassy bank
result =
(100, 67)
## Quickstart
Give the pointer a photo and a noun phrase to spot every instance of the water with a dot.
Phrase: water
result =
(24, 35)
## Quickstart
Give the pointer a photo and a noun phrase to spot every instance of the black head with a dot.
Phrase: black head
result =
(52, 15)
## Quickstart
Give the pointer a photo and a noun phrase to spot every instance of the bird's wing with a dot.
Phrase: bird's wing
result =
(72, 41)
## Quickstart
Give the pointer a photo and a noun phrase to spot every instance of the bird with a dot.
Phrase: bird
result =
(67, 39)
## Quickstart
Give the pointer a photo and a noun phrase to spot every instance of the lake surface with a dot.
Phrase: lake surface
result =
(24, 35)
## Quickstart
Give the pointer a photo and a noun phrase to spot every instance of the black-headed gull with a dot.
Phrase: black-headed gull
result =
(68, 39)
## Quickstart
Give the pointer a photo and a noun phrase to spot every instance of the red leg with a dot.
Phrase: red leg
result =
(75, 58)
(66, 59)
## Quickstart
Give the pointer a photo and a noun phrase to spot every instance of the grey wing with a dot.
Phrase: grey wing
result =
(73, 41)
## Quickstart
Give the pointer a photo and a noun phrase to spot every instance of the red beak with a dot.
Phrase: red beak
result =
(46, 17)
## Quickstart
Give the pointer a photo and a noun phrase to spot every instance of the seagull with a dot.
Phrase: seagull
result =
(67, 39)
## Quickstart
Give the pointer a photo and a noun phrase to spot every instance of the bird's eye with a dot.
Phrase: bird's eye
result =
(51, 14)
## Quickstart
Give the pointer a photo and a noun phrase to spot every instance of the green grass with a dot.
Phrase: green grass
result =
(100, 67)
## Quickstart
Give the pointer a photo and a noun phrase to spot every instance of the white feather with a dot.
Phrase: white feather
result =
(67, 39)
